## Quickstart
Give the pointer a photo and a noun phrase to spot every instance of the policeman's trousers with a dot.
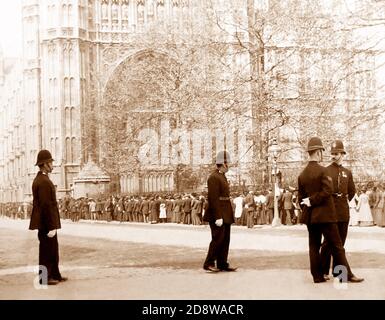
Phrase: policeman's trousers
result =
(326, 251)
(332, 236)
(219, 246)
(49, 254)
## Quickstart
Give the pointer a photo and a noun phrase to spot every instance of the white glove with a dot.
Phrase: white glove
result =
(219, 222)
(51, 234)
(306, 202)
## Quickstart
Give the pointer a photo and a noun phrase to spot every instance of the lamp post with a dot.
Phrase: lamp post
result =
(275, 151)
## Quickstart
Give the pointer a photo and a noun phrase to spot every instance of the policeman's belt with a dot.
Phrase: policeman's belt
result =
(224, 198)
(339, 195)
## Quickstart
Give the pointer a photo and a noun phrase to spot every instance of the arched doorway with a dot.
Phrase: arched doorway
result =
(137, 97)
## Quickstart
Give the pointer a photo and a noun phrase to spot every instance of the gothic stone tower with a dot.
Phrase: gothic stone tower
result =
(71, 50)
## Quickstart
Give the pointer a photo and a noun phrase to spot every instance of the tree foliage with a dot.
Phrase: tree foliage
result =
(290, 70)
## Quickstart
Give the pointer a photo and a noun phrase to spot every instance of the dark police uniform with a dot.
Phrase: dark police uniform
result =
(219, 207)
(343, 191)
(320, 218)
(45, 217)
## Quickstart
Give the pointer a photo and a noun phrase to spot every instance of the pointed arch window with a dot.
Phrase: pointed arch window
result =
(68, 149)
(70, 15)
(55, 93)
(74, 150)
(73, 118)
(52, 146)
(64, 13)
(57, 121)
(72, 60)
(67, 115)
(66, 92)
(57, 150)
(72, 92)
(49, 95)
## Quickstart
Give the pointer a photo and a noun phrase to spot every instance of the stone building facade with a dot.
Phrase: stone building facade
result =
(55, 97)
(70, 51)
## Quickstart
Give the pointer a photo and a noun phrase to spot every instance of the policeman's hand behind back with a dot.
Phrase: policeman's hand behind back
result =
(51, 234)
(219, 222)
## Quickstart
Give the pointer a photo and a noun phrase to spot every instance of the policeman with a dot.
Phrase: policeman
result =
(343, 191)
(219, 215)
(315, 189)
(45, 217)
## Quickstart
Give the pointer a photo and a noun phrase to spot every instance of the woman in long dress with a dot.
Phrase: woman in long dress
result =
(353, 221)
(239, 203)
(375, 197)
(162, 210)
(381, 208)
(365, 217)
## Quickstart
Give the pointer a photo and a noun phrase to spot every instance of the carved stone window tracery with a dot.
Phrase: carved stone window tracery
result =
(140, 11)
(175, 10)
(104, 10)
(115, 15)
(115, 11)
(150, 10)
(125, 11)
(105, 15)
(160, 10)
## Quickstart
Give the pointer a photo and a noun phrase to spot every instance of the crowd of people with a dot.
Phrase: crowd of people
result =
(367, 208)
(251, 208)
(16, 210)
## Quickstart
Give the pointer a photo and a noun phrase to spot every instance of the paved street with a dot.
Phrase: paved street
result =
(164, 261)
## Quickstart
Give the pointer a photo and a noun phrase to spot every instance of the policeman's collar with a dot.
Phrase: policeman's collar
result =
(220, 171)
(45, 173)
(336, 164)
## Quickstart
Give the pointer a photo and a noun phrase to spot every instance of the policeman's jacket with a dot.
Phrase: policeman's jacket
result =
(45, 213)
(314, 182)
(343, 190)
(219, 204)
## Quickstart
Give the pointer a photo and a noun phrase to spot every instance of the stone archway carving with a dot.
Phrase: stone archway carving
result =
(133, 98)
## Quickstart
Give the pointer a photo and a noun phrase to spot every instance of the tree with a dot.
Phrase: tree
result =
(288, 70)
(302, 57)
(180, 81)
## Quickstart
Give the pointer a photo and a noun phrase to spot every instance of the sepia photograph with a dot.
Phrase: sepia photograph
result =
(196, 150)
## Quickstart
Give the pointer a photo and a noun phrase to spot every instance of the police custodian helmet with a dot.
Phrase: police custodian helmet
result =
(315, 143)
(43, 156)
(222, 157)
(337, 147)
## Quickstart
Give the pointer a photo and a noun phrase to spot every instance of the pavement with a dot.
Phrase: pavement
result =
(164, 282)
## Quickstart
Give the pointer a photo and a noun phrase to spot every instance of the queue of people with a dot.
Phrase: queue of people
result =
(16, 210)
(257, 208)
(325, 200)
(186, 208)
(251, 208)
